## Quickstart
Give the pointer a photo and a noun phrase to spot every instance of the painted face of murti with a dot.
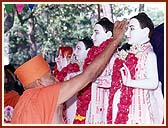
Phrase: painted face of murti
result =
(135, 34)
(99, 35)
(80, 51)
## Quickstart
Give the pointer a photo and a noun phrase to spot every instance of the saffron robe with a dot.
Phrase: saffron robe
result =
(36, 105)
(11, 98)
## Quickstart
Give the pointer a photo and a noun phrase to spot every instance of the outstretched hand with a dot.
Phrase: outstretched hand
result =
(119, 29)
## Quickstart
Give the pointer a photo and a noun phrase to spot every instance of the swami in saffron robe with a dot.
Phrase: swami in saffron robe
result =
(37, 105)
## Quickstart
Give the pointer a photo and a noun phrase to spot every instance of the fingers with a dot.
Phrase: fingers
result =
(116, 24)
(120, 24)
(124, 24)
(119, 29)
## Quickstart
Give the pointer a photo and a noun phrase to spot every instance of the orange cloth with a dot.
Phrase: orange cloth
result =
(11, 98)
(32, 70)
(36, 105)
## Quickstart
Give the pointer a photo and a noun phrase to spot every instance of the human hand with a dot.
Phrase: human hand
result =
(64, 62)
(58, 63)
(126, 75)
(118, 30)
(61, 62)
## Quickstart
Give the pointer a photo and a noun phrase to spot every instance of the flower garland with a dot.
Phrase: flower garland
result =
(126, 92)
(70, 68)
(84, 96)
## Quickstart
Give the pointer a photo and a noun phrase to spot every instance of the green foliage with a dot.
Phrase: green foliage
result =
(120, 10)
(61, 25)
(58, 25)
(53, 26)
(157, 16)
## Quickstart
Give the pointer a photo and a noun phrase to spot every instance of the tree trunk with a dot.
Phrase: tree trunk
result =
(33, 46)
(9, 21)
(112, 16)
(107, 11)
(98, 9)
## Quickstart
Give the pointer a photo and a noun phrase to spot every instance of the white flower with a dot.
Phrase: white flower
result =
(8, 111)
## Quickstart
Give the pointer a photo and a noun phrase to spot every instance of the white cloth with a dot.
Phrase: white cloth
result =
(147, 104)
(100, 95)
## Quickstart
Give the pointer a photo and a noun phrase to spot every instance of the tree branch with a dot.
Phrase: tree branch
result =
(22, 21)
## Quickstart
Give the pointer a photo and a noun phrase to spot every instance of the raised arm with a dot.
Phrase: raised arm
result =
(70, 87)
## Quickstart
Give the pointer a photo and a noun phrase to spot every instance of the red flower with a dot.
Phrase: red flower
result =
(84, 96)
(126, 92)
(70, 68)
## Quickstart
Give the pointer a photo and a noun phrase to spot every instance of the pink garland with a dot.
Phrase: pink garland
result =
(126, 92)
(84, 96)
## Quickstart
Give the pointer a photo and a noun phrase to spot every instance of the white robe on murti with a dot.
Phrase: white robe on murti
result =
(100, 96)
(147, 105)
(97, 109)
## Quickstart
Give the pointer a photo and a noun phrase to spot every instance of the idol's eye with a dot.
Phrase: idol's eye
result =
(97, 32)
(132, 28)
(78, 48)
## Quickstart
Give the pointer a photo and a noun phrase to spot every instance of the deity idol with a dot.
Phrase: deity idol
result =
(80, 53)
(93, 100)
(135, 95)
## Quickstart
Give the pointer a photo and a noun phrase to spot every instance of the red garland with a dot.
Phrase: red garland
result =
(70, 68)
(84, 96)
(126, 92)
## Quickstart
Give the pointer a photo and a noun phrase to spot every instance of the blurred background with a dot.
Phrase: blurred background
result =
(30, 29)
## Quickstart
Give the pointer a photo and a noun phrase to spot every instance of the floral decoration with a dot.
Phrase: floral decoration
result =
(70, 68)
(84, 96)
(126, 92)
(8, 111)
